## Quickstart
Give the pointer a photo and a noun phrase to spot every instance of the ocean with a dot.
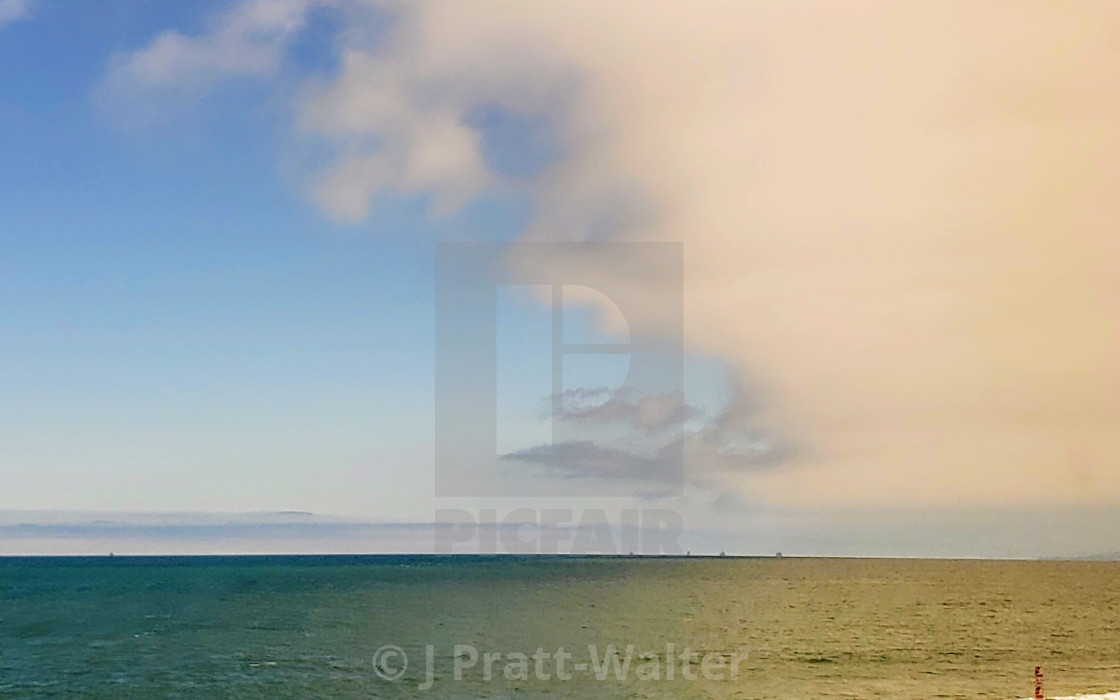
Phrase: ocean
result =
(555, 627)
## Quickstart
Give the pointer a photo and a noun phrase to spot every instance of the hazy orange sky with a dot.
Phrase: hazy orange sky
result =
(900, 219)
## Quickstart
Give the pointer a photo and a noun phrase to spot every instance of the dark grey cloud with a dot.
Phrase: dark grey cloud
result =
(630, 437)
(587, 459)
(715, 451)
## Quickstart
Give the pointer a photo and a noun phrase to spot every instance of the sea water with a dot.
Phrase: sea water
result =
(296, 627)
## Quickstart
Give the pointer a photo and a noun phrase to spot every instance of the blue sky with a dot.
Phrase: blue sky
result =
(185, 330)
(175, 313)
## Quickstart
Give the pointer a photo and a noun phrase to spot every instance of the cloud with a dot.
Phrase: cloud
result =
(709, 464)
(713, 456)
(14, 10)
(422, 144)
(99, 533)
(586, 459)
(898, 220)
(246, 41)
(596, 406)
(420, 150)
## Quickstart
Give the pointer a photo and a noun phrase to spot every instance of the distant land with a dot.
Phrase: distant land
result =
(1014, 534)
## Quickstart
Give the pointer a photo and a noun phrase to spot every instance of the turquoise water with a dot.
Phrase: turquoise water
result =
(287, 627)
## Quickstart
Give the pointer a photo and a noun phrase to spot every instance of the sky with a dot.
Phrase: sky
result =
(900, 307)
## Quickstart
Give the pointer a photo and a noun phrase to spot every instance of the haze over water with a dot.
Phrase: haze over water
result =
(309, 627)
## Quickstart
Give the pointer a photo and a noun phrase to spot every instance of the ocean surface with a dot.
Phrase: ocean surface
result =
(310, 627)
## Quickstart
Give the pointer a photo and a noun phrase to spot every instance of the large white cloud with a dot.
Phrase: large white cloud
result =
(899, 219)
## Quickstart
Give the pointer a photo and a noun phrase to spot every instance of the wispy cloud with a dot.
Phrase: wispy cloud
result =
(594, 406)
(286, 532)
(586, 459)
(712, 455)
(13, 11)
(173, 69)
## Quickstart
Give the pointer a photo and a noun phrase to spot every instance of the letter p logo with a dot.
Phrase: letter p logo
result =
(625, 445)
